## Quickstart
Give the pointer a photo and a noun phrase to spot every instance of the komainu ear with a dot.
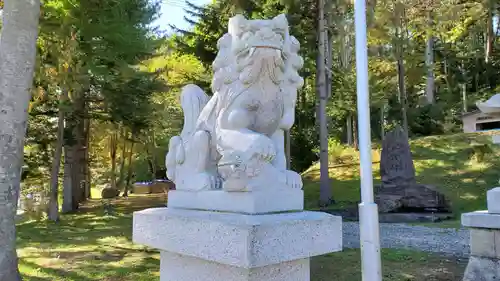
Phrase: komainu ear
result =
(237, 24)
(280, 22)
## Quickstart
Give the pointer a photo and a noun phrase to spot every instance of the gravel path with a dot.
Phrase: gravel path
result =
(403, 236)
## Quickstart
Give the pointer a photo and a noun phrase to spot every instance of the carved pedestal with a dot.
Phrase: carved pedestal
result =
(209, 246)
(484, 262)
(257, 202)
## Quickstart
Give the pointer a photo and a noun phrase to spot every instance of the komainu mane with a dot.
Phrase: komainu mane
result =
(235, 139)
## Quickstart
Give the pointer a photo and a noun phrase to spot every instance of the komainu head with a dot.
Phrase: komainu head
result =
(251, 46)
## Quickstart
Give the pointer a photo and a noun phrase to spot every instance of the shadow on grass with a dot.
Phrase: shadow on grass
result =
(88, 226)
(397, 265)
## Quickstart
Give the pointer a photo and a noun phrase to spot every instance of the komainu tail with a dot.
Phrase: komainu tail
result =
(193, 100)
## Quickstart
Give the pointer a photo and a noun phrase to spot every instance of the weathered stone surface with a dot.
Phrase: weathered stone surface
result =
(482, 269)
(185, 268)
(396, 163)
(411, 197)
(481, 219)
(399, 192)
(494, 200)
(484, 243)
(236, 239)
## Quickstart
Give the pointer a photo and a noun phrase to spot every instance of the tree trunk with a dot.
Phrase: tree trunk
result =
(382, 122)
(429, 63)
(53, 212)
(153, 154)
(17, 63)
(464, 87)
(122, 160)
(329, 53)
(113, 146)
(447, 75)
(86, 164)
(489, 31)
(355, 132)
(349, 129)
(402, 93)
(490, 39)
(79, 151)
(325, 188)
(129, 173)
(68, 180)
(399, 52)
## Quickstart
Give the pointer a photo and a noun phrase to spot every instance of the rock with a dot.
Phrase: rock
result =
(414, 197)
(399, 191)
(388, 203)
(109, 193)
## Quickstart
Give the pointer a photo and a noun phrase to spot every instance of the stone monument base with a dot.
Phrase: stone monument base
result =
(255, 202)
(484, 262)
(209, 246)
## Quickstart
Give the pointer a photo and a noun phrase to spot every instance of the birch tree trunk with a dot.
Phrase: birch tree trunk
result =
(53, 213)
(17, 61)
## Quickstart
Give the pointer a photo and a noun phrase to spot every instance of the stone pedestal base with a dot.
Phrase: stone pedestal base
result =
(484, 262)
(494, 200)
(211, 246)
(482, 269)
(175, 267)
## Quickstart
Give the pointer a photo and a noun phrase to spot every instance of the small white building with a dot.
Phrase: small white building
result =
(477, 121)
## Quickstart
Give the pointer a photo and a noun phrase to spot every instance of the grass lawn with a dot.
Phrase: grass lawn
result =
(442, 161)
(90, 245)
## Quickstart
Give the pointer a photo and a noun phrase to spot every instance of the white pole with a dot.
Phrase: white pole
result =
(368, 211)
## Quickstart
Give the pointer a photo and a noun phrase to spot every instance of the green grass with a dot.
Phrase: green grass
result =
(442, 161)
(90, 245)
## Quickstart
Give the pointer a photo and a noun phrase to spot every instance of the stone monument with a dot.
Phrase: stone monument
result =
(237, 212)
(484, 262)
(399, 191)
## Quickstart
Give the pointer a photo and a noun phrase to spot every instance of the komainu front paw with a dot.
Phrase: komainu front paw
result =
(266, 149)
(293, 179)
(206, 181)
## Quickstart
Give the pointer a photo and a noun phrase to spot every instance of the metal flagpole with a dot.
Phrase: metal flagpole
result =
(368, 211)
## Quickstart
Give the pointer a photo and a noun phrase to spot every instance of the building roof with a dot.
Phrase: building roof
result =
(471, 113)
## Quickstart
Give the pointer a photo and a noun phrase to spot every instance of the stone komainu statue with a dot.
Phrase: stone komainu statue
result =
(235, 139)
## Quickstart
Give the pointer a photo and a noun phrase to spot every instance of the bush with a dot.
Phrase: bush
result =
(341, 154)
